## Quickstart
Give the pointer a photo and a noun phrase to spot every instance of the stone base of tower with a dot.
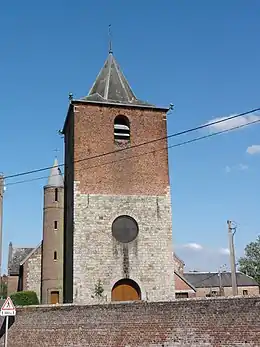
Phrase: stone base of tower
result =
(100, 261)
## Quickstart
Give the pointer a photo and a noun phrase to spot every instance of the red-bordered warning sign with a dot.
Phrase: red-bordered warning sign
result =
(8, 308)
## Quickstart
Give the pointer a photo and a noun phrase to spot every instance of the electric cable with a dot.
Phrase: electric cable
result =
(140, 144)
(142, 154)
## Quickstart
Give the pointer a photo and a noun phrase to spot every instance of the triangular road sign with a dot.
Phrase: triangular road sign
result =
(8, 308)
(8, 304)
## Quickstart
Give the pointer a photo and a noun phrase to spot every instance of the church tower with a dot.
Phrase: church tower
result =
(118, 228)
(52, 244)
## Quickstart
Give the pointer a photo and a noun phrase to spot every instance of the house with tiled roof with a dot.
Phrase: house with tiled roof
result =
(183, 288)
(15, 256)
(215, 284)
(205, 284)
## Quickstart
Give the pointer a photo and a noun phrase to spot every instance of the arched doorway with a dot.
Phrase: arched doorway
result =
(126, 290)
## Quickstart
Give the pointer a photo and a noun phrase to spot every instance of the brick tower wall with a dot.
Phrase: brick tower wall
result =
(110, 186)
(141, 174)
(52, 270)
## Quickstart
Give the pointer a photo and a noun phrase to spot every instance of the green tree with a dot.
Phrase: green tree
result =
(250, 263)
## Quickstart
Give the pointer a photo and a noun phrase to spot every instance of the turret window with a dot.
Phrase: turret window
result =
(55, 225)
(56, 194)
(55, 255)
(121, 129)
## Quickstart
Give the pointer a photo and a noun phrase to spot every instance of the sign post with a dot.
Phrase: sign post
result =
(8, 309)
(6, 329)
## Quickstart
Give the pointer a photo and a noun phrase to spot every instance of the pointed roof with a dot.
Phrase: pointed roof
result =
(184, 280)
(111, 86)
(31, 253)
(55, 179)
(15, 256)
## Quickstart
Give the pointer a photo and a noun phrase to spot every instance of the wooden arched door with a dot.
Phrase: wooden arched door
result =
(126, 290)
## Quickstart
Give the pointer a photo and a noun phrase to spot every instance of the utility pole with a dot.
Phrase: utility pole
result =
(1, 226)
(232, 256)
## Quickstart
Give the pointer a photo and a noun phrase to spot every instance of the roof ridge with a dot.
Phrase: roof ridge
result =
(31, 253)
(110, 59)
(185, 280)
(22, 247)
(98, 75)
(120, 72)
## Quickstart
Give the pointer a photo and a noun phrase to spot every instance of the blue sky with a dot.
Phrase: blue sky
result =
(202, 56)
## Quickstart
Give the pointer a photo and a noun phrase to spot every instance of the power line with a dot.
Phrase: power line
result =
(152, 151)
(140, 144)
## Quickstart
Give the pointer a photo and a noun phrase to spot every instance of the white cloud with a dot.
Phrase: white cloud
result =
(224, 251)
(227, 169)
(232, 123)
(254, 149)
(194, 246)
(242, 167)
(206, 259)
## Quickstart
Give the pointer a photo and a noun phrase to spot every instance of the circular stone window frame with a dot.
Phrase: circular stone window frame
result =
(131, 234)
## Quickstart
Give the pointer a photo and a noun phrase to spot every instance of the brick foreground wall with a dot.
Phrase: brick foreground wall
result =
(212, 322)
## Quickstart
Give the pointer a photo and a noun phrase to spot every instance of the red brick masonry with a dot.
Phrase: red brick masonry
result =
(139, 170)
(190, 322)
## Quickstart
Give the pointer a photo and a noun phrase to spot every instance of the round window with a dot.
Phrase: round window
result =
(124, 229)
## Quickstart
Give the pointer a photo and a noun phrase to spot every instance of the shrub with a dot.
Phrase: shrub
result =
(24, 298)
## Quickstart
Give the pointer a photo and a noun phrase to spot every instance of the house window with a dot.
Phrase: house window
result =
(181, 295)
(55, 225)
(121, 129)
(245, 292)
(56, 194)
(55, 255)
(212, 293)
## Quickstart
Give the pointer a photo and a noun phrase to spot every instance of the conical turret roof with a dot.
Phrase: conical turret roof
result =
(55, 178)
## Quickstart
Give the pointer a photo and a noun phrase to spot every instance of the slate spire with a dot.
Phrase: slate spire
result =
(55, 178)
(111, 86)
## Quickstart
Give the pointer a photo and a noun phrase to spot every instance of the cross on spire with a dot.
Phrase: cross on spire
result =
(56, 150)
(110, 39)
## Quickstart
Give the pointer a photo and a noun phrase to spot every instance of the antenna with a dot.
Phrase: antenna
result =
(110, 39)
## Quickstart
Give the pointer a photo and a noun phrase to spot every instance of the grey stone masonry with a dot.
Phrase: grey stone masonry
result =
(99, 258)
(32, 269)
